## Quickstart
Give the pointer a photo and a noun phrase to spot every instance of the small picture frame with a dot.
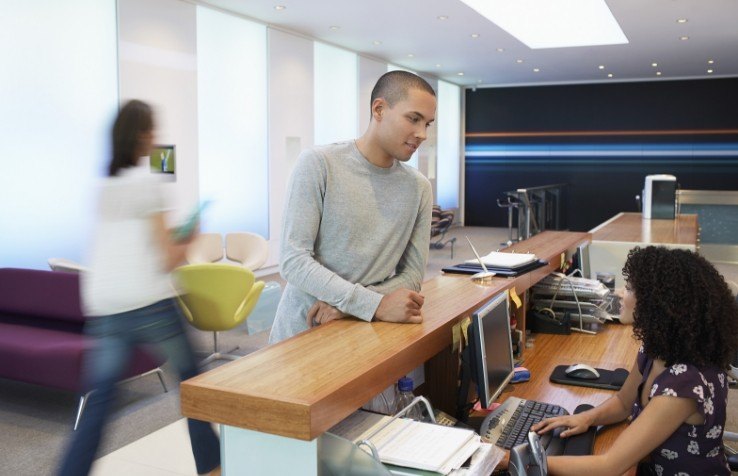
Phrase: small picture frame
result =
(163, 161)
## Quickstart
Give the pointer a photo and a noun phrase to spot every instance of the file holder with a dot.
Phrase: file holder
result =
(578, 306)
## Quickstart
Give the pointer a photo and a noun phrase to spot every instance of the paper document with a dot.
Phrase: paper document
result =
(497, 259)
(483, 463)
(410, 443)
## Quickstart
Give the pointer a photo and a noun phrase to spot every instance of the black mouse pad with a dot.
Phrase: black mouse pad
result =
(609, 379)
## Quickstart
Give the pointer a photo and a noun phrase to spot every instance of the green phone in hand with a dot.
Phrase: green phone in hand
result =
(181, 233)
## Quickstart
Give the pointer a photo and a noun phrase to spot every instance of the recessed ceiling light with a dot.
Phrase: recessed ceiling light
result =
(475, 35)
(535, 70)
(461, 73)
(710, 61)
(279, 7)
(410, 55)
(682, 20)
(335, 27)
(518, 61)
(442, 17)
(438, 65)
(684, 38)
(609, 75)
(654, 64)
(602, 66)
(376, 42)
(658, 73)
(563, 23)
(709, 71)
(500, 50)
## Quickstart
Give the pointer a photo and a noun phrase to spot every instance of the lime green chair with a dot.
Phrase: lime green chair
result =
(217, 297)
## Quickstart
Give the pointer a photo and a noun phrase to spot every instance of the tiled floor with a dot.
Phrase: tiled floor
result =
(165, 452)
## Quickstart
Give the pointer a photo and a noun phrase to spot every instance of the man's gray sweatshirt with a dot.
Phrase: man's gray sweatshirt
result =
(352, 233)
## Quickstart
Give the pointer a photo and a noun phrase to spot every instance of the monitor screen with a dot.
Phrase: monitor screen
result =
(581, 261)
(491, 349)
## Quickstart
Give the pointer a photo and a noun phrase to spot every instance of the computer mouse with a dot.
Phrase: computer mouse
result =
(582, 371)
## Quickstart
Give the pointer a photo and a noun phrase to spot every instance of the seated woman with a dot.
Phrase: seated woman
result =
(686, 319)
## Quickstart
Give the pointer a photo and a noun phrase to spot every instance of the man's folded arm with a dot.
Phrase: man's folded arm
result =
(301, 223)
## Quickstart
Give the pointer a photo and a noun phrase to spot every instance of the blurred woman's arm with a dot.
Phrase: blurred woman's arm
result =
(174, 251)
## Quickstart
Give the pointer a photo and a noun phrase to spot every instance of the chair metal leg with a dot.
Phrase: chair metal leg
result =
(160, 374)
(83, 399)
(217, 355)
(81, 408)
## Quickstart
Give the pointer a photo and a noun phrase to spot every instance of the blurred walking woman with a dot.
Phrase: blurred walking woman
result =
(127, 293)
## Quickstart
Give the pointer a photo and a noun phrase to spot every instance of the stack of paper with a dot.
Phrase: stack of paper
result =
(497, 259)
(410, 443)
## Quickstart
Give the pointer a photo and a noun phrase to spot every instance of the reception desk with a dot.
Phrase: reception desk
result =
(276, 402)
(612, 240)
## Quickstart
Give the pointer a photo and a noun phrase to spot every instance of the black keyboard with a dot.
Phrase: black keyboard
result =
(508, 424)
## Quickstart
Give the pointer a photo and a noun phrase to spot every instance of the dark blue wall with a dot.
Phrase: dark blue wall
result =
(602, 140)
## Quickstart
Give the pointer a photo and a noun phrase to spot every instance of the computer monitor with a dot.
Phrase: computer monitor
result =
(492, 364)
(581, 261)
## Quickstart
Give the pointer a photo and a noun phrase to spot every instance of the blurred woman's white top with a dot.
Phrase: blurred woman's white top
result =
(126, 263)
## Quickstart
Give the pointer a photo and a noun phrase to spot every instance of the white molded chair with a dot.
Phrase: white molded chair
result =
(63, 264)
(248, 249)
(206, 248)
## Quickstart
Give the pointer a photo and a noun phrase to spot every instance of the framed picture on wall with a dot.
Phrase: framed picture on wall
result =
(163, 161)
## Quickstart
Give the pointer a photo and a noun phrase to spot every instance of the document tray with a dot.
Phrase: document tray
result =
(468, 268)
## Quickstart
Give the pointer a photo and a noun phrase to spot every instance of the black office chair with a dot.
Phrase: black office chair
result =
(440, 224)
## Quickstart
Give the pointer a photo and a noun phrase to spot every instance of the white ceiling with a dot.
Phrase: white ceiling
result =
(445, 48)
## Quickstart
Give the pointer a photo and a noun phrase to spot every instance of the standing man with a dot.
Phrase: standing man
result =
(357, 218)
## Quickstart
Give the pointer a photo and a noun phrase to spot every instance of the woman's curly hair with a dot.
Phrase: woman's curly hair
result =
(684, 312)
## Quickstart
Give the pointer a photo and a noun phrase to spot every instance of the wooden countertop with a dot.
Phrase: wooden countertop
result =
(633, 228)
(303, 386)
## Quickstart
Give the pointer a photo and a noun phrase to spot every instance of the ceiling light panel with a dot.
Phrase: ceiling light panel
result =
(544, 24)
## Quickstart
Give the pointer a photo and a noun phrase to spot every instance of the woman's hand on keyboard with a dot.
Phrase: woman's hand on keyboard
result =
(575, 424)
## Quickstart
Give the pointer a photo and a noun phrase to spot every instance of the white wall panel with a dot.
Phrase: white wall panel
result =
(58, 97)
(290, 120)
(336, 89)
(158, 64)
(369, 72)
(232, 122)
(449, 144)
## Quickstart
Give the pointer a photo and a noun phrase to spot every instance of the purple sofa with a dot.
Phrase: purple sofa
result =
(41, 332)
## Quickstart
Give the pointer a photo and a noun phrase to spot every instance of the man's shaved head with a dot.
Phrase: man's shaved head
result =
(393, 86)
